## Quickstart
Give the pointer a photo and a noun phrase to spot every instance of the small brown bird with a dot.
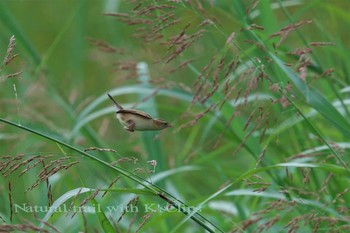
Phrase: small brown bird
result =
(137, 120)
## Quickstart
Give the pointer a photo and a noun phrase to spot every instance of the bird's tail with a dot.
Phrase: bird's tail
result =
(115, 102)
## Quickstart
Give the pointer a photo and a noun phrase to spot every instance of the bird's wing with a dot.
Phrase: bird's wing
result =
(136, 112)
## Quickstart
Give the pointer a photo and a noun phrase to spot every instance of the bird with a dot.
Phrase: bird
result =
(136, 120)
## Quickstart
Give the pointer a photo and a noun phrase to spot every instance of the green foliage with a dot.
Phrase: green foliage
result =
(257, 91)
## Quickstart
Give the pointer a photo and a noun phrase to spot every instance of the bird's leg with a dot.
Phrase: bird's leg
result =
(131, 126)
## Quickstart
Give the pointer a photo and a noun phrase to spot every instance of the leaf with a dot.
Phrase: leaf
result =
(60, 201)
(316, 100)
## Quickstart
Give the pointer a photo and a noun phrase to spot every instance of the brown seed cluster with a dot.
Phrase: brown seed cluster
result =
(269, 215)
(152, 22)
(285, 31)
(28, 227)
(133, 202)
(50, 166)
(105, 47)
(9, 57)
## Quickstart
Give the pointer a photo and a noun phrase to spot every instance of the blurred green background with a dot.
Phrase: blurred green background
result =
(265, 122)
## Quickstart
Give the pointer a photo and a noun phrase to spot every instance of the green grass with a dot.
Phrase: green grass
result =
(258, 94)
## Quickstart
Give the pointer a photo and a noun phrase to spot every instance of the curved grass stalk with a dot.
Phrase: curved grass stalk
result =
(170, 199)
